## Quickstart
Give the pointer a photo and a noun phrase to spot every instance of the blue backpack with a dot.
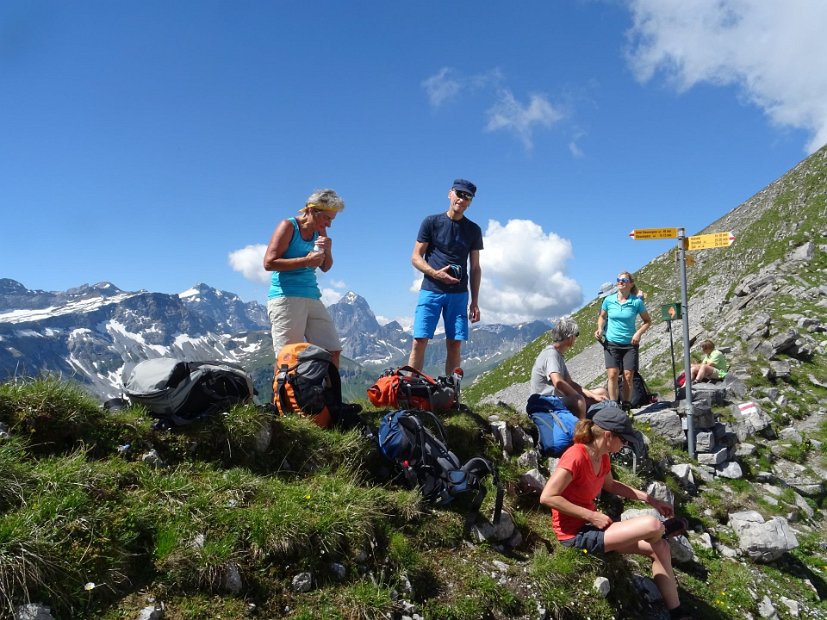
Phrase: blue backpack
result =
(423, 460)
(555, 424)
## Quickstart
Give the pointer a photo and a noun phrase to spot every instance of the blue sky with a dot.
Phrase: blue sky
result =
(158, 144)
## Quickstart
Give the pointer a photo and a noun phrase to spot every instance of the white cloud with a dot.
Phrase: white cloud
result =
(774, 51)
(447, 83)
(330, 296)
(405, 321)
(510, 115)
(524, 274)
(249, 261)
(441, 87)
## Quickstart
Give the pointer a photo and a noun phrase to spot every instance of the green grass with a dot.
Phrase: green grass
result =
(77, 511)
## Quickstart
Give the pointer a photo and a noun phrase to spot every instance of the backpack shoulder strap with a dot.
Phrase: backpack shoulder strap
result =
(414, 371)
(280, 385)
(554, 416)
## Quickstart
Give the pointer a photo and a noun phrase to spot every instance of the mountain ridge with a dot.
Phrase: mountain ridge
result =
(95, 333)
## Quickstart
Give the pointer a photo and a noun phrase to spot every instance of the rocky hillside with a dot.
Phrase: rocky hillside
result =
(773, 275)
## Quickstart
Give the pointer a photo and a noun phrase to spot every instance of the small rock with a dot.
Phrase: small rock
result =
(33, 611)
(303, 582)
(602, 586)
(151, 613)
(338, 570)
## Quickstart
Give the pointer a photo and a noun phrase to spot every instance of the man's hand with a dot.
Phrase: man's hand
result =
(599, 396)
(474, 313)
(443, 275)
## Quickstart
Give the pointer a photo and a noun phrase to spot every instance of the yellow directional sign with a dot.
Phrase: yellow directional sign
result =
(712, 240)
(640, 234)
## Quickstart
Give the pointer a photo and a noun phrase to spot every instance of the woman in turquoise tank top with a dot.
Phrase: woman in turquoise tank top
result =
(298, 247)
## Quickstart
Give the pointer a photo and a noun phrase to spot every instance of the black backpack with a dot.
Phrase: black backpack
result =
(179, 393)
(641, 396)
(307, 382)
(424, 461)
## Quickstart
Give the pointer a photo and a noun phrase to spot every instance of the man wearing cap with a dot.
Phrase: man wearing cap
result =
(447, 251)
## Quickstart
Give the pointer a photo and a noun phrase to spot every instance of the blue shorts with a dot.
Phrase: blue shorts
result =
(589, 538)
(453, 307)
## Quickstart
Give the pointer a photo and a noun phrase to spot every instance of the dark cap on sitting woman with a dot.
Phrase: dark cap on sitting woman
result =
(615, 420)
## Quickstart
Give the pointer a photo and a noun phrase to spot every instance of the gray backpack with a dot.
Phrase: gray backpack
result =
(178, 392)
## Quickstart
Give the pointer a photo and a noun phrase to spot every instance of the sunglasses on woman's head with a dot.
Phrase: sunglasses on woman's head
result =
(623, 280)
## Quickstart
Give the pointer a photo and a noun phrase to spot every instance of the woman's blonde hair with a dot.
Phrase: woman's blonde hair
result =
(324, 200)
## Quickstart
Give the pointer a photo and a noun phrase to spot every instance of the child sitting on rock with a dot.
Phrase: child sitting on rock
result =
(713, 366)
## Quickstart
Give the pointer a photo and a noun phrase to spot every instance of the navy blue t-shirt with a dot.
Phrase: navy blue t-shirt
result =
(449, 243)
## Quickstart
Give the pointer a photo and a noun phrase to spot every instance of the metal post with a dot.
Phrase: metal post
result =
(687, 359)
(672, 350)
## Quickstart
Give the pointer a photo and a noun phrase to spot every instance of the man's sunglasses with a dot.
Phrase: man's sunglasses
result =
(623, 280)
(463, 195)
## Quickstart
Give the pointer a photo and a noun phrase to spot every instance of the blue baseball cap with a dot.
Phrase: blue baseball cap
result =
(465, 186)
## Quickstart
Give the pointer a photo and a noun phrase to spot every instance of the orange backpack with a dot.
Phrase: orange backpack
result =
(307, 382)
(409, 388)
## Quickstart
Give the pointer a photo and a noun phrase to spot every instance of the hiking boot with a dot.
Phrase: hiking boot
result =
(626, 406)
(675, 526)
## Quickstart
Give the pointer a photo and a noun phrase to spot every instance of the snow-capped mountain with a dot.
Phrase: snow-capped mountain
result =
(96, 334)
(363, 339)
(381, 346)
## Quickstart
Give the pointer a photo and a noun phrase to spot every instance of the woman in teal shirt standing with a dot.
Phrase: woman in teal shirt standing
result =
(298, 246)
(618, 315)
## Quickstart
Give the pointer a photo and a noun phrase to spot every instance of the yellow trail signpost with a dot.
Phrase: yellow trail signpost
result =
(712, 240)
(643, 234)
(698, 242)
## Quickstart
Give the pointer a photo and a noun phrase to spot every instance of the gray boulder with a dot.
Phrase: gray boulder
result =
(750, 420)
(762, 541)
(665, 423)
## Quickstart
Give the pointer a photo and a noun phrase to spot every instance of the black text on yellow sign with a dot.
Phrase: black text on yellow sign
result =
(644, 234)
(712, 240)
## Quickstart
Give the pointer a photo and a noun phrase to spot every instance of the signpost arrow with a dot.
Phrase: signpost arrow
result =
(712, 240)
(641, 234)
